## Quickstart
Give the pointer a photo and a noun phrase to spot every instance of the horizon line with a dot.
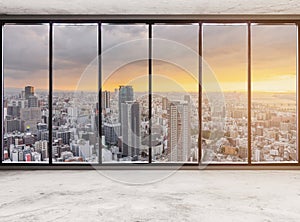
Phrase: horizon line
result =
(192, 91)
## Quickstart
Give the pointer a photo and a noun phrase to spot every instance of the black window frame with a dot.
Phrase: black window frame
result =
(152, 20)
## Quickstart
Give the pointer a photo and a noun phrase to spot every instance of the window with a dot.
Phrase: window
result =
(274, 103)
(175, 124)
(25, 99)
(75, 93)
(125, 93)
(225, 139)
(122, 93)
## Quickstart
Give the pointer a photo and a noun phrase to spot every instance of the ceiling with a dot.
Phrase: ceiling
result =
(112, 7)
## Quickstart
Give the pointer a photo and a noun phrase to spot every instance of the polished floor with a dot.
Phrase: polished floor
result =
(149, 196)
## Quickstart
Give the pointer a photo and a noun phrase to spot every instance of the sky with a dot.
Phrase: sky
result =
(175, 59)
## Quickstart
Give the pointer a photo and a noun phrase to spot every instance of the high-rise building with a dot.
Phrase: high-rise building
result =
(23, 94)
(42, 148)
(22, 103)
(13, 110)
(257, 155)
(111, 132)
(131, 132)
(125, 94)
(89, 136)
(32, 101)
(13, 125)
(105, 99)
(85, 149)
(29, 91)
(32, 113)
(15, 156)
(31, 117)
(179, 131)
(187, 98)
(165, 102)
(65, 136)
(44, 135)
(73, 112)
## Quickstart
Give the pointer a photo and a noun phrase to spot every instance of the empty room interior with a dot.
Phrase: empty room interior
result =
(150, 110)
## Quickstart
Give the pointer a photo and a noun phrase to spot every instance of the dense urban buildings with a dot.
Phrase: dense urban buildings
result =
(273, 129)
(122, 117)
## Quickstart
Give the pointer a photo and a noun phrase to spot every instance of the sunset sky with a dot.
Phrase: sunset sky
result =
(175, 65)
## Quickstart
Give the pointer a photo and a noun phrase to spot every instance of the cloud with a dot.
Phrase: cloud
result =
(183, 34)
(26, 52)
(25, 48)
(75, 47)
(113, 35)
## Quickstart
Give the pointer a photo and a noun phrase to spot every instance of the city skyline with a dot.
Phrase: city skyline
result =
(27, 113)
(125, 111)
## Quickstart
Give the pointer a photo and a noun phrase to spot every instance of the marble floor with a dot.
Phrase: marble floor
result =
(149, 196)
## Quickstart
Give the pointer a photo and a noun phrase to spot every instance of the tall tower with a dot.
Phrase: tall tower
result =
(179, 131)
(131, 132)
(164, 103)
(29, 91)
(125, 94)
(173, 132)
(32, 101)
(105, 99)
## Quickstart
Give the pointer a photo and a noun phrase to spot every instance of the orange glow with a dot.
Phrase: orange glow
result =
(273, 68)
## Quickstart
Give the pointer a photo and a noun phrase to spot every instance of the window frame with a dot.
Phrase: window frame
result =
(152, 20)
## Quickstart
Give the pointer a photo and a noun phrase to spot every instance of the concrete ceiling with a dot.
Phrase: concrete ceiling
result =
(149, 7)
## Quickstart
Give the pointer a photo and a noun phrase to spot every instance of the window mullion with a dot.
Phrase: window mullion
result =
(1, 83)
(100, 93)
(200, 94)
(249, 93)
(150, 88)
(50, 102)
(297, 89)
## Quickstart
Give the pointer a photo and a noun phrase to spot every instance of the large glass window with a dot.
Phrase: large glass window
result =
(25, 99)
(105, 76)
(75, 93)
(174, 108)
(273, 106)
(225, 62)
(125, 89)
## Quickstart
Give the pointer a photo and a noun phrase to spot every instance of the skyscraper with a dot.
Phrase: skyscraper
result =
(32, 101)
(105, 99)
(165, 102)
(13, 125)
(13, 110)
(179, 141)
(32, 113)
(31, 117)
(29, 91)
(111, 133)
(125, 94)
(131, 132)
(65, 136)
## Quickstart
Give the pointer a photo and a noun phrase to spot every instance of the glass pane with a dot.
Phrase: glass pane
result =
(125, 111)
(175, 93)
(75, 93)
(273, 117)
(225, 52)
(25, 56)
